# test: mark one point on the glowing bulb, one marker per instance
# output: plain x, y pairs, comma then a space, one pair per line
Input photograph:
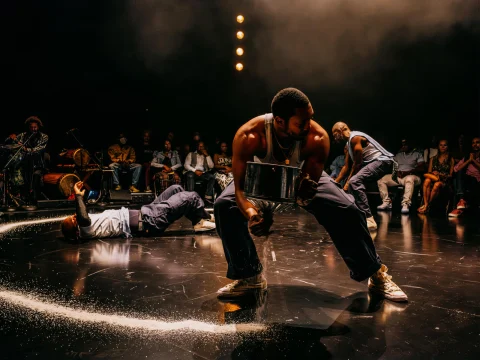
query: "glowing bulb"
239, 66
240, 19
239, 51
240, 35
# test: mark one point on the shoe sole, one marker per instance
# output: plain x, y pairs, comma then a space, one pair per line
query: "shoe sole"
203, 230
386, 296
236, 295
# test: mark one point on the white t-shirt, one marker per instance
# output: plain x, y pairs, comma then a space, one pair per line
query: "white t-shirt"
408, 161
433, 152
109, 223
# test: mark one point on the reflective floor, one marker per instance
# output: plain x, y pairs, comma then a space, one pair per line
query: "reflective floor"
155, 298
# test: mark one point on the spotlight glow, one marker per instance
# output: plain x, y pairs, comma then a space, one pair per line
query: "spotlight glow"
239, 66
239, 51
240, 19
240, 35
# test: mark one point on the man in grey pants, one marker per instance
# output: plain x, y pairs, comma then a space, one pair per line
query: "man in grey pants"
370, 163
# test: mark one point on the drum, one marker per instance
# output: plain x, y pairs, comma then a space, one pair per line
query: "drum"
59, 184
275, 183
79, 157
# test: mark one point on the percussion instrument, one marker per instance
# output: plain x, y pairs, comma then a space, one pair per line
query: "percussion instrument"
59, 184
271, 182
79, 157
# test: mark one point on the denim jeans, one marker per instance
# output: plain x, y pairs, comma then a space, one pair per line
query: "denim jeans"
170, 206
136, 170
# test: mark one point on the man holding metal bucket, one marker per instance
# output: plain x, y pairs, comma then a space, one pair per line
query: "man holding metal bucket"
284, 139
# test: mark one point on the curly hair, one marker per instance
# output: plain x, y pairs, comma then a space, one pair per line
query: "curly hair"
35, 119
286, 101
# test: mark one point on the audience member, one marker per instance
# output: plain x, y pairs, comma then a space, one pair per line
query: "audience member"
198, 166
123, 157
470, 167
169, 163
410, 167
440, 170
223, 166
336, 166
144, 154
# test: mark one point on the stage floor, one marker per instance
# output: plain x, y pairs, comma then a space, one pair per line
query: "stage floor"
155, 298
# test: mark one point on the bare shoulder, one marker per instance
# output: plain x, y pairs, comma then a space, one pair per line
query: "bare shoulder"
317, 138
251, 134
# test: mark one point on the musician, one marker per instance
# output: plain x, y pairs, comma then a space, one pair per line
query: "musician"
151, 219
123, 156
168, 163
290, 137
32, 158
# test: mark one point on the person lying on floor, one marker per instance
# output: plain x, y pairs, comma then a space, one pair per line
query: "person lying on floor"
151, 219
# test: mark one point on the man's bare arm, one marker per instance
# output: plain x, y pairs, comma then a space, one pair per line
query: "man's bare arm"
356, 144
318, 147
245, 144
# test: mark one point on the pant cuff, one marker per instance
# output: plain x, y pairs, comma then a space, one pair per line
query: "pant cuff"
365, 274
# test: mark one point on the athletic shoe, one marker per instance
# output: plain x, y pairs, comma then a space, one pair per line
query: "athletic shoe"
381, 283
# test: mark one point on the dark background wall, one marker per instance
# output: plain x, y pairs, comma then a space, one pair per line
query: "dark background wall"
107, 66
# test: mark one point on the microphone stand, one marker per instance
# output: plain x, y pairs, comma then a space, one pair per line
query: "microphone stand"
4, 170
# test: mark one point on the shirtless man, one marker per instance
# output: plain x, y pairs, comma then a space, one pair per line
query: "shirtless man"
289, 136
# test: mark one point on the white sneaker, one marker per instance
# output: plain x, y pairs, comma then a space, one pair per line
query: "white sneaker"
204, 225
371, 224
405, 209
382, 284
243, 287
386, 205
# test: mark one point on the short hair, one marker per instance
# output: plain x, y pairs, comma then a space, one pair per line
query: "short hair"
286, 101
34, 119
68, 230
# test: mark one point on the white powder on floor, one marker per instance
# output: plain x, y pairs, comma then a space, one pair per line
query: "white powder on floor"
51, 309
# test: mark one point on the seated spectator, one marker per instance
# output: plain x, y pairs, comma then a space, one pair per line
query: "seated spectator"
168, 163
144, 155
123, 157
431, 150
458, 154
410, 167
470, 167
198, 166
336, 167
223, 166
440, 170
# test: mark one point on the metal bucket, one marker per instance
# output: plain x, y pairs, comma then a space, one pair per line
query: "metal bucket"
271, 182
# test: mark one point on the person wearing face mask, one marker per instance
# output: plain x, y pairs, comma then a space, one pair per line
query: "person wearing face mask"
123, 157
30, 166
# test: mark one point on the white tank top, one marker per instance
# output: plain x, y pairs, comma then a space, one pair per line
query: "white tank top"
293, 159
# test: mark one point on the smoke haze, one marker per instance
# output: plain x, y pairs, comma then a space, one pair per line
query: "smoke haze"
329, 41
302, 41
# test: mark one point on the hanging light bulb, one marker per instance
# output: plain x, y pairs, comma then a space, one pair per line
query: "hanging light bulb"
239, 66
239, 51
240, 19
240, 35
